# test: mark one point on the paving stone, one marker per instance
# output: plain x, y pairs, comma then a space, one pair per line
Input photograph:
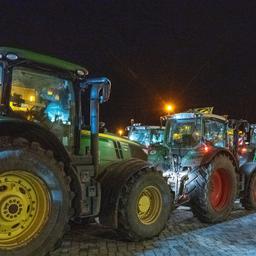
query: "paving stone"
184, 235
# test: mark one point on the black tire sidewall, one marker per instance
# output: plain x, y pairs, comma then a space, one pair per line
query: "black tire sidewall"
251, 204
46, 169
199, 187
252, 201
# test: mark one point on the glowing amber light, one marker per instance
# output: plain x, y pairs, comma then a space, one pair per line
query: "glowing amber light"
120, 132
31, 98
169, 108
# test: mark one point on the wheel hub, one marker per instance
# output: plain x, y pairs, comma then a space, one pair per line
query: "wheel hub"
149, 205
11, 208
220, 191
144, 204
24, 208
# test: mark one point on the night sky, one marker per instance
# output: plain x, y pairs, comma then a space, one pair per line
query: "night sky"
192, 53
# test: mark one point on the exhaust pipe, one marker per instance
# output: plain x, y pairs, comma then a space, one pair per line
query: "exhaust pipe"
99, 92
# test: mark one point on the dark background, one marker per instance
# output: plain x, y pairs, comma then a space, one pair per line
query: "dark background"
192, 53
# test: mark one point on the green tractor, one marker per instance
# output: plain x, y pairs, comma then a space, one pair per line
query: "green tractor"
209, 161
54, 170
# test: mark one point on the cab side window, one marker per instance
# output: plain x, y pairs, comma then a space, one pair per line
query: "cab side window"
45, 99
215, 132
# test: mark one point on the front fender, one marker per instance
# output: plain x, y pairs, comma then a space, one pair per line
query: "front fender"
31, 131
200, 156
208, 157
112, 181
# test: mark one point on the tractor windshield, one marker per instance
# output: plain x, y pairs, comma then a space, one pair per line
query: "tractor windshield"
43, 98
184, 133
141, 136
157, 136
146, 137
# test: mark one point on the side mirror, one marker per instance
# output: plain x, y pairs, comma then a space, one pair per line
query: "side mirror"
103, 85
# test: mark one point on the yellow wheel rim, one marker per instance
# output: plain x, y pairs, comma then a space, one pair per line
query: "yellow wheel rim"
24, 208
149, 205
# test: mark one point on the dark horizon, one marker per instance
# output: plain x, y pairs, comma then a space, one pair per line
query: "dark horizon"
192, 53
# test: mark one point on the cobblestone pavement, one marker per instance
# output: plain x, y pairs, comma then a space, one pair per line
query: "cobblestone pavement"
184, 235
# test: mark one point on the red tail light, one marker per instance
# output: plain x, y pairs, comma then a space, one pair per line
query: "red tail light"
243, 150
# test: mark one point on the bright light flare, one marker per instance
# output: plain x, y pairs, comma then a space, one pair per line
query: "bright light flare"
206, 149
243, 150
32, 98
169, 108
120, 132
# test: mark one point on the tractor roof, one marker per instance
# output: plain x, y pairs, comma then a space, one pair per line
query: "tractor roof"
188, 115
215, 116
42, 59
144, 127
192, 113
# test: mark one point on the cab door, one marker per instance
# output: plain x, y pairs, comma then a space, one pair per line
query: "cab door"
215, 132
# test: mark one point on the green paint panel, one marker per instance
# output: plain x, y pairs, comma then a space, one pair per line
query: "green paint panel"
106, 147
43, 59
112, 148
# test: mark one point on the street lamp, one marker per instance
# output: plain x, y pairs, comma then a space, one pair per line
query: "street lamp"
169, 108
120, 132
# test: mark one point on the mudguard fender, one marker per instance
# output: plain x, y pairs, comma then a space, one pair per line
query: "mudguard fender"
215, 151
200, 157
112, 181
31, 131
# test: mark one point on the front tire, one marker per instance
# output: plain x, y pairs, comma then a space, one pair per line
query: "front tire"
34, 199
212, 190
144, 206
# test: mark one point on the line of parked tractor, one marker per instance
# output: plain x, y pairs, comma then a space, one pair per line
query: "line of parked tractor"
57, 165
208, 160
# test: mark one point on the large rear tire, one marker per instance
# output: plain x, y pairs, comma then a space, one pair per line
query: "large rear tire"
212, 190
34, 199
249, 201
144, 206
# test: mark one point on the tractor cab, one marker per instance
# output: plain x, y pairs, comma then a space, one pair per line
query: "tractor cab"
192, 130
42, 91
146, 135
243, 135
189, 136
